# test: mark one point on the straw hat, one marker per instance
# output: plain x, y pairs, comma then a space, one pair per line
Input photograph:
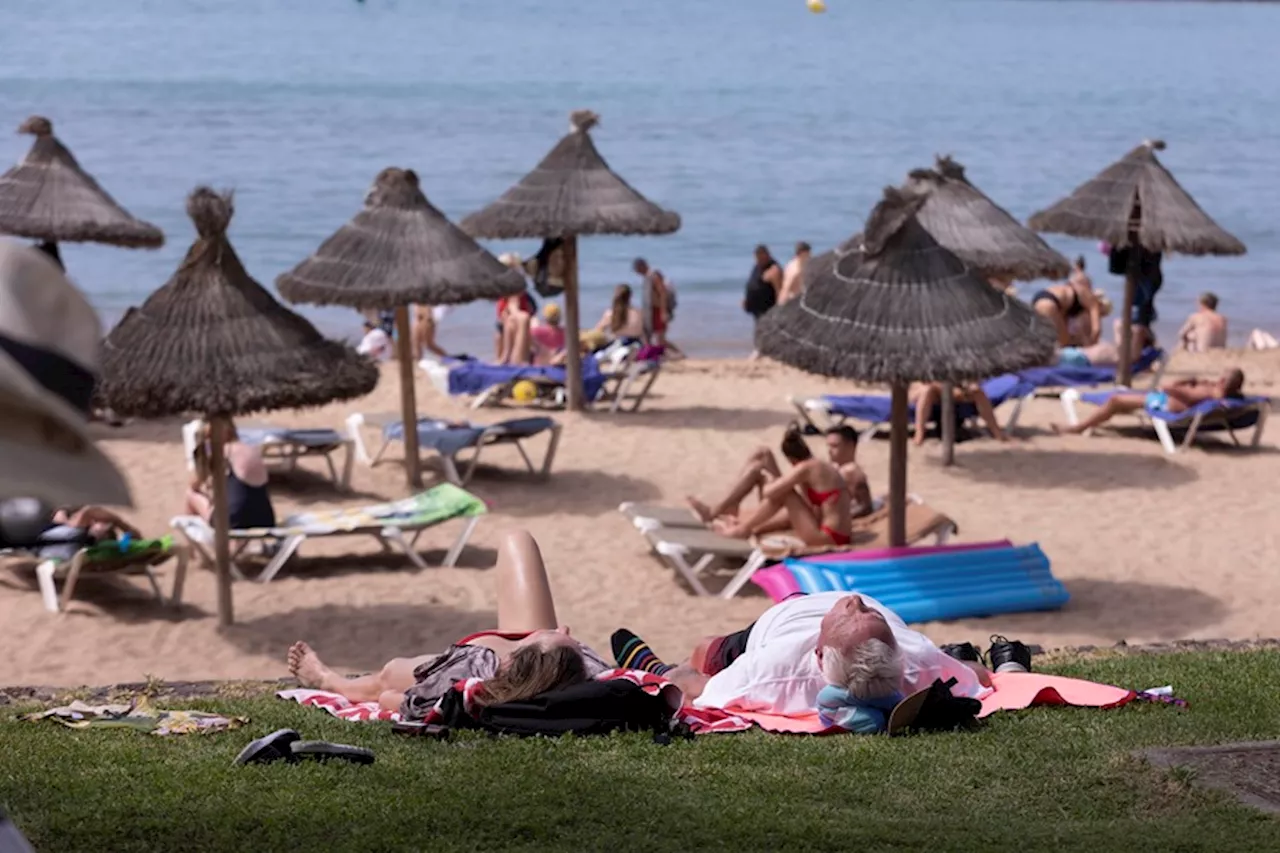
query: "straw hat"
49, 341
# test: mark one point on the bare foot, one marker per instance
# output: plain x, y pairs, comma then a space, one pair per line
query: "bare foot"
1064, 430
918, 440
307, 667
726, 527
699, 508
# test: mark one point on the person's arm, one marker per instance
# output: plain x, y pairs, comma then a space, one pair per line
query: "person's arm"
859, 488
788, 481
984, 674
1095, 319
1184, 334
774, 276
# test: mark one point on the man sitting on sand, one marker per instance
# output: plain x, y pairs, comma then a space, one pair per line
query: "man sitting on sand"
1205, 329
780, 664
815, 499
1174, 397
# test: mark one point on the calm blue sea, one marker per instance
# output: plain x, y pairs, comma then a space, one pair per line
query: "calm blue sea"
756, 120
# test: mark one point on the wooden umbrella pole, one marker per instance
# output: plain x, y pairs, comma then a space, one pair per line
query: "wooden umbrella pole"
898, 418
408, 403
947, 416
572, 345
221, 516
1124, 371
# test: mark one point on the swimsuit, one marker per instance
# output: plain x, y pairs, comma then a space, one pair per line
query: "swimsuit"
248, 506
1075, 309
1157, 401
818, 499
836, 537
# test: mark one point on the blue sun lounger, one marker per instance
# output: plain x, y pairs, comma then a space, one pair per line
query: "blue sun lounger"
490, 383
1210, 416
449, 439
874, 409
1152, 362
284, 444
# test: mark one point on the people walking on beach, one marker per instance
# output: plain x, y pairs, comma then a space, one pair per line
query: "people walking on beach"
424, 332
1205, 329
763, 286
793, 273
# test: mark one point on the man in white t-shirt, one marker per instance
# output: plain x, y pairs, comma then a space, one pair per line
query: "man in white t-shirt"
797, 647
376, 343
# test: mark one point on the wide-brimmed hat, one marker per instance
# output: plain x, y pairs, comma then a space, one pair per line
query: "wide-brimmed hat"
934, 708
49, 343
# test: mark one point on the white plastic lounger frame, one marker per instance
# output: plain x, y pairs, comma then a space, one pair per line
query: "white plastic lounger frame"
49, 572
492, 435
283, 543
1164, 429
691, 562
283, 449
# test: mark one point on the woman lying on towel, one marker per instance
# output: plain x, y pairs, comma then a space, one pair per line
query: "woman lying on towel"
1174, 397
925, 395
813, 499
528, 654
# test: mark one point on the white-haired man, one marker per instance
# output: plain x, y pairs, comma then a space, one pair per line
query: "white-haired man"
797, 647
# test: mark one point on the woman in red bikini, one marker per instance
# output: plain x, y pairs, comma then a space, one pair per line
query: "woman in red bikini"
813, 494
529, 653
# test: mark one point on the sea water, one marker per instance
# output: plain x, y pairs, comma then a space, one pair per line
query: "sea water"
756, 120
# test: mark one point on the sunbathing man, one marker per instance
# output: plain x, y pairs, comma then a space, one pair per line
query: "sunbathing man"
1105, 353
925, 395
527, 655
797, 648
1174, 397
813, 499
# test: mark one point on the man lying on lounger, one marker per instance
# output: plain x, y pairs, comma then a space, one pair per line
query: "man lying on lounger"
817, 486
28, 523
1174, 397
803, 652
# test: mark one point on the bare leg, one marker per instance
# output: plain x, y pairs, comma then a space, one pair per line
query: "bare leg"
925, 401
497, 346
524, 593
988, 412
521, 350
198, 503
1118, 404
385, 686
750, 479
800, 518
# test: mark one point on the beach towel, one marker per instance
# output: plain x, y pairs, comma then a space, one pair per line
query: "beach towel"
439, 503
140, 716
448, 438
474, 377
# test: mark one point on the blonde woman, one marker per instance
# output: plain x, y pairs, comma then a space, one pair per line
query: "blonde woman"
248, 502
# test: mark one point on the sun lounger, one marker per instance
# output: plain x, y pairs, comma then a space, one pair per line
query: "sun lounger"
285, 444
831, 410
449, 441
648, 516
692, 551
139, 557
490, 384
388, 523
1151, 364
1210, 416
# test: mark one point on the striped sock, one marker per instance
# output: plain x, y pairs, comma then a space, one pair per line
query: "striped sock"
631, 652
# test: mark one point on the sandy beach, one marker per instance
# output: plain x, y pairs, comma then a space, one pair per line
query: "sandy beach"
1150, 547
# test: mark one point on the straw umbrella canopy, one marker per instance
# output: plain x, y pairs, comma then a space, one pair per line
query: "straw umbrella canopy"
1135, 202
214, 341
895, 308
572, 192
399, 251
983, 234
49, 197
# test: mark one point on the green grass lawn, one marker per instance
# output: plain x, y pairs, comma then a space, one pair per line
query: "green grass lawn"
1047, 779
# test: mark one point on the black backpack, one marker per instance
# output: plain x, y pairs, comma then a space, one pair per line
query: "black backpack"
590, 708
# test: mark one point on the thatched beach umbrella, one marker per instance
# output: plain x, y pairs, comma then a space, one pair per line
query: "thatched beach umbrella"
900, 308
1136, 203
213, 341
983, 235
49, 197
571, 193
397, 252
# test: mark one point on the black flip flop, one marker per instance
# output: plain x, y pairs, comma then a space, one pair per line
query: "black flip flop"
320, 750
269, 748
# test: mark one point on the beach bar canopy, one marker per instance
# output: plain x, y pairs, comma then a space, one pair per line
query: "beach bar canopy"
571, 193
213, 341
896, 307
49, 197
399, 251
1136, 203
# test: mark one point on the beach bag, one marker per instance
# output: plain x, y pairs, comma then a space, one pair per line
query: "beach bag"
589, 708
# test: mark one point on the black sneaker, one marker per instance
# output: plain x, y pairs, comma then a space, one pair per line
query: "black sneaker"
963, 651
1007, 655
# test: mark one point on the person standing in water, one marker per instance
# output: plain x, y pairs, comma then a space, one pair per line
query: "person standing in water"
793, 273
763, 286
